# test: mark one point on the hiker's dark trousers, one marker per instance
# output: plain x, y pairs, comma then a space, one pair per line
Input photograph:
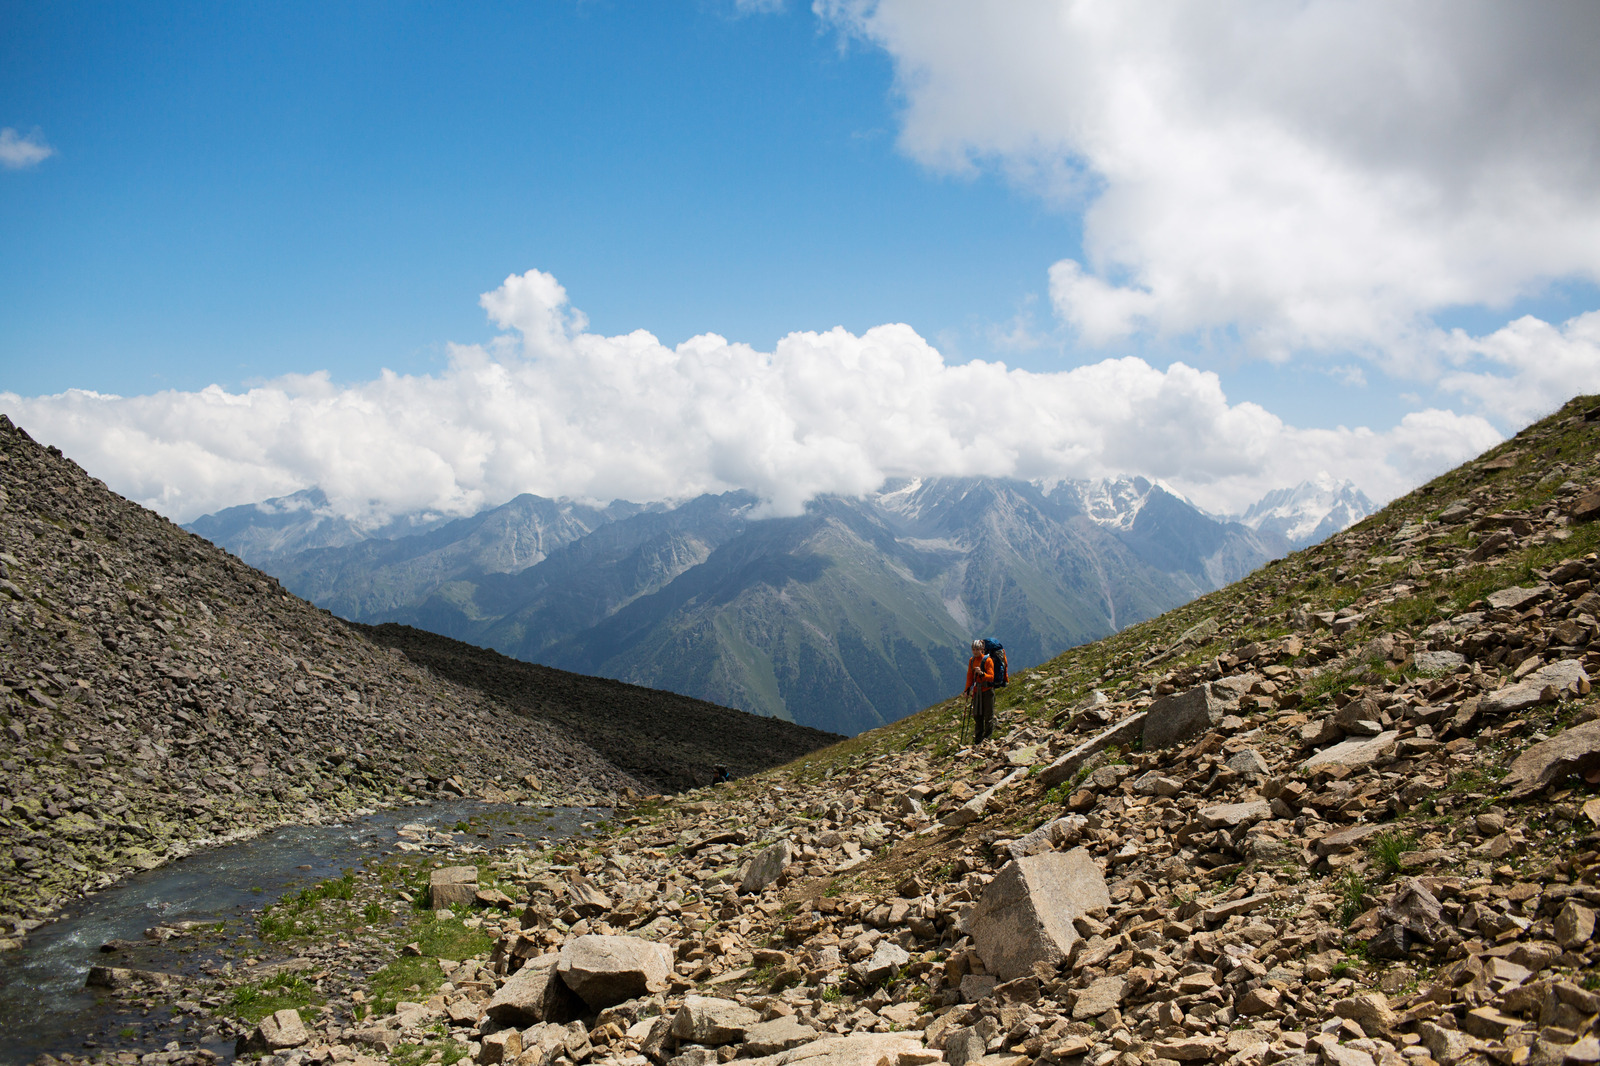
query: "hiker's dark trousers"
983, 713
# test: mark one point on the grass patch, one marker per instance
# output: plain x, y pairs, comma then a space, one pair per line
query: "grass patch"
251, 1003
449, 938
444, 1050
1352, 887
414, 977
1386, 848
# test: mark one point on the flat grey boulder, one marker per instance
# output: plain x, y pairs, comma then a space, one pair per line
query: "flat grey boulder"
1174, 719
886, 958
1355, 752
1233, 815
780, 1034
278, 1031
857, 1049
1437, 662
1026, 913
1575, 750
452, 885
708, 1020
1124, 732
1545, 685
1518, 599
1249, 761
605, 970
534, 994
767, 866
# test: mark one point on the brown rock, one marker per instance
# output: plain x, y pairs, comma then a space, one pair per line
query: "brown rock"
1025, 915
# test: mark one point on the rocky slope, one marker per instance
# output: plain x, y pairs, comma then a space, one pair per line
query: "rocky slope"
158, 693
672, 741
1339, 814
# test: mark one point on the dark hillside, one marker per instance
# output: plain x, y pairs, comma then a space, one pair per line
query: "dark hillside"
655, 735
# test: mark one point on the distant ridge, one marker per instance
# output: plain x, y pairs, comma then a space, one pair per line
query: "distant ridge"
657, 736
845, 617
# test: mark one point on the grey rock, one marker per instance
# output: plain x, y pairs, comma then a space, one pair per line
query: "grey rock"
767, 866
1517, 599
1544, 685
780, 1034
1354, 753
708, 1020
278, 1031
1437, 662
1248, 761
1177, 718
604, 970
886, 958
1233, 815
1574, 750
534, 994
1063, 768
963, 1045
452, 885
1026, 913
1103, 994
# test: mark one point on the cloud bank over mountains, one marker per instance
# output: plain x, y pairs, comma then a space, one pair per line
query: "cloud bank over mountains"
1309, 177
550, 408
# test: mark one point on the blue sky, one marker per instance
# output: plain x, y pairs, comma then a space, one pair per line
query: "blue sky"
252, 191
1101, 196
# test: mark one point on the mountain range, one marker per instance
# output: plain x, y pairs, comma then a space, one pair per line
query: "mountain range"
852, 614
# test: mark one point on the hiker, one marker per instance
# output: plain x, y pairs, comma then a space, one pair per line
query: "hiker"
720, 775
980, 690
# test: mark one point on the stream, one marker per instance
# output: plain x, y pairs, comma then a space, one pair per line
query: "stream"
45, 1007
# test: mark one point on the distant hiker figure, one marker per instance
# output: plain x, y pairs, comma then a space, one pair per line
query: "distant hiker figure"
980, 690
719, 774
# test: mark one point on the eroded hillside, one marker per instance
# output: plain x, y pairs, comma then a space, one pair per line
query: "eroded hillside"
159, 693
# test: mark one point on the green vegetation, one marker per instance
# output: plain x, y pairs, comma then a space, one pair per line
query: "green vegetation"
250, 1003
444, 1051
1386, 848
414, 977
1352, 887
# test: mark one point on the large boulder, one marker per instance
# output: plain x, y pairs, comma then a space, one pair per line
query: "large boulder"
452, 885
1355, 752
605, 970
278, 1031
708, 1020
856, 1049
1124, 732
767, 866
1026, 913
1544, 685
534, 994
1174, 719
1575, 750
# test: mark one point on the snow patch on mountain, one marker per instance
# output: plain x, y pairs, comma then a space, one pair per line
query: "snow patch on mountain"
1310, 512
1112, 502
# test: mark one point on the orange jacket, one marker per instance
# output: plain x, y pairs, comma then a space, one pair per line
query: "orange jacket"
980, 670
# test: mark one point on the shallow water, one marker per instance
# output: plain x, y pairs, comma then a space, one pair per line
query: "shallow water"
44, 1006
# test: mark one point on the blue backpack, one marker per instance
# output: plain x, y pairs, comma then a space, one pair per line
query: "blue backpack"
997, 651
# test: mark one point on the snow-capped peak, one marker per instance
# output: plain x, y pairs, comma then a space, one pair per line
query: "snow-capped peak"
1311, 511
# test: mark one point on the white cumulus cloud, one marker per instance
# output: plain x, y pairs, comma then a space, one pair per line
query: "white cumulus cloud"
18, 152
1321, 176
550, 408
